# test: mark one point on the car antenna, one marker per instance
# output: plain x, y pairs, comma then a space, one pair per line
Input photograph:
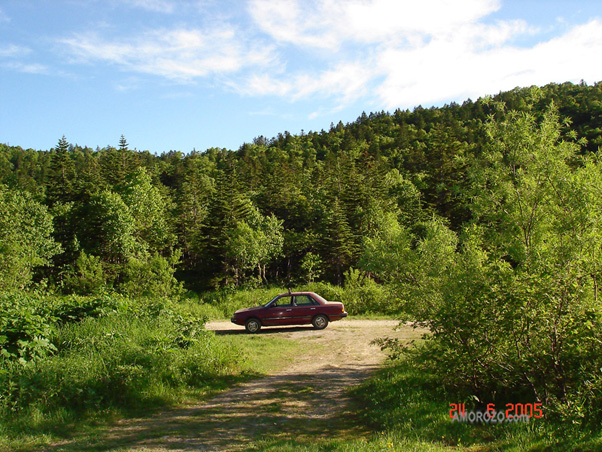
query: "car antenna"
289, 291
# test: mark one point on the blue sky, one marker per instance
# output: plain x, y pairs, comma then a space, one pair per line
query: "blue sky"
194, 74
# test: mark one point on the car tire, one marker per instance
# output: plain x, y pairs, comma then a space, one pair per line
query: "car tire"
253, 325
320, 322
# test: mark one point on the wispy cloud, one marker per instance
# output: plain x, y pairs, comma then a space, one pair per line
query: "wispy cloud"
456, 68
13, 51
27, 68
181, 54
391, 53
405, 53
159, 6
330, 23
12, 57
346, 81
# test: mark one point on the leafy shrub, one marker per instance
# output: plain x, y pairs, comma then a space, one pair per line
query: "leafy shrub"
363, 295
25, 238
74, 308
25, 327
153, 277
87, 277
124, 358
228, 301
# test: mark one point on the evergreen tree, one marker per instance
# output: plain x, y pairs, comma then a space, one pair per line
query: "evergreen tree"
62, 177
338, 242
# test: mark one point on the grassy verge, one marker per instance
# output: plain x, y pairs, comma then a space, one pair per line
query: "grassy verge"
409, 411
129, 361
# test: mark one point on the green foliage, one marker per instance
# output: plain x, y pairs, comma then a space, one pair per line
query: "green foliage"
152, 277
225, 302
362, 295
25, 328
253, 244
64, 357
109, 231
62, 175
311, 265
25, 238
513, 310
337, 243
149, 210
87, 277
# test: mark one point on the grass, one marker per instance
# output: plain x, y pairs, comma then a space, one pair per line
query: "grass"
125, 364
409, 411
262, 354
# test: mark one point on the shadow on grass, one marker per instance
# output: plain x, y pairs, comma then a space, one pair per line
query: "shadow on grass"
86, 428
409, 410
288, 406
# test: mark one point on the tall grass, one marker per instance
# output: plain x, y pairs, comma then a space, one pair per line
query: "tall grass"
145, 354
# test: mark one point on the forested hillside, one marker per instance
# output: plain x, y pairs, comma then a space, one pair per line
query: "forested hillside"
289, 209
480, 221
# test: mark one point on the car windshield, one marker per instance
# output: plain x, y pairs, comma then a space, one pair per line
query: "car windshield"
268, 303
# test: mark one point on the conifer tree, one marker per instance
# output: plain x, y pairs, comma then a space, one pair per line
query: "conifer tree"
62, 176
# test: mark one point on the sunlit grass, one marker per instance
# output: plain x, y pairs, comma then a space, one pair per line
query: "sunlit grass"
409, 411
124, 365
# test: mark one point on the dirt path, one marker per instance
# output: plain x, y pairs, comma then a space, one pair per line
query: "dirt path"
307, 398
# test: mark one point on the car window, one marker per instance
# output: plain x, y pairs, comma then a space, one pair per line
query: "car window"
319, 298
284, 301
304, 300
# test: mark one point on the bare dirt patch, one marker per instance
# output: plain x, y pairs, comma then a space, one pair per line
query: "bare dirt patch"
308, 398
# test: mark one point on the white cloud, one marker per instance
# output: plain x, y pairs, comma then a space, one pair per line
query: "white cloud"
454, 69
394, 53
346, 82
159, 6
405, 53
13, 51
179, 54
13, 55
27, 68
330, 23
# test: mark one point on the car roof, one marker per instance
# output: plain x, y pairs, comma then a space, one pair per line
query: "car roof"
296, 293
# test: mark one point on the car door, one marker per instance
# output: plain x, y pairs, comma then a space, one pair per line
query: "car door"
305, 309
279, 312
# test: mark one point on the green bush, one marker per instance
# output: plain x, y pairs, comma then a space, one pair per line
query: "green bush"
153, 277
226, 302
362, 295
88, 275
25, 327
124, 359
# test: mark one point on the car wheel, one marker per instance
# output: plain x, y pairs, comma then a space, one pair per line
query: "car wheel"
320, 322
253, 325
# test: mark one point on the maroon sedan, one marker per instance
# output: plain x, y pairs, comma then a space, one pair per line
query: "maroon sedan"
292, 308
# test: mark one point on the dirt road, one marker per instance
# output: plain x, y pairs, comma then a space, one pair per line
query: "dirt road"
308, 398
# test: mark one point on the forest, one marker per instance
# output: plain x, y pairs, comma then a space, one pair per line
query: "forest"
481, 221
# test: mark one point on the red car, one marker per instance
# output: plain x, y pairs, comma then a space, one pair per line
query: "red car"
292, 308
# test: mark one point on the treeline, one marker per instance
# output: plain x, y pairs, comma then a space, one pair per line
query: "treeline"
480, 221
294, 208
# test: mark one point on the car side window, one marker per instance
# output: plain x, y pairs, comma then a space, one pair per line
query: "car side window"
304, 300
284, 302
